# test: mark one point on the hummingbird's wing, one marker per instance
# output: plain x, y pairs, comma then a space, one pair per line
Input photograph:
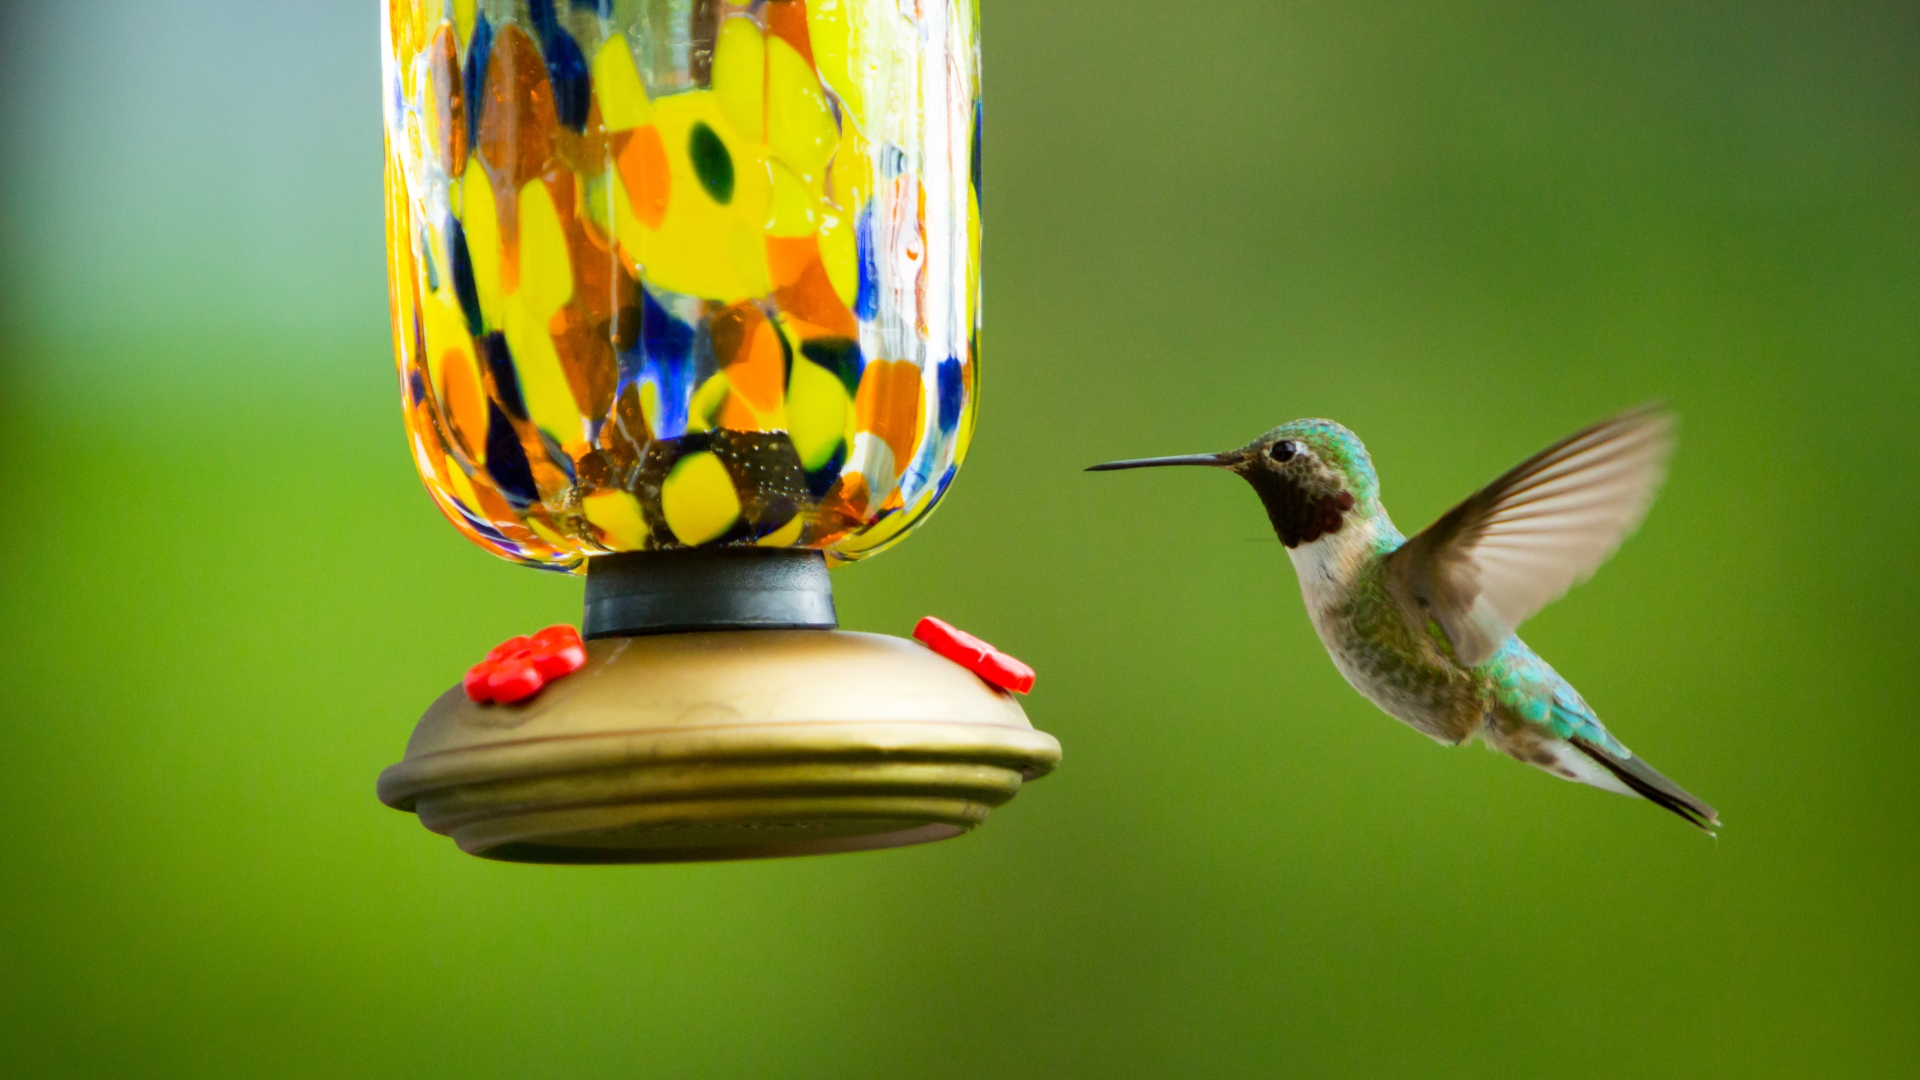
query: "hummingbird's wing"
1517, 544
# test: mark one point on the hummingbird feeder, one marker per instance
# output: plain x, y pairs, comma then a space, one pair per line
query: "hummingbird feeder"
686, 299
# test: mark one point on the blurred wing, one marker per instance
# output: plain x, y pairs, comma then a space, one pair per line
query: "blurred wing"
1522, 541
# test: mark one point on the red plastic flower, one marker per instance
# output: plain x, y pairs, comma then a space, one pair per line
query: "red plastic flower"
518, 667
975, 655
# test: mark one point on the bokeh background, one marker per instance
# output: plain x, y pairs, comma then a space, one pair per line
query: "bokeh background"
1462, 229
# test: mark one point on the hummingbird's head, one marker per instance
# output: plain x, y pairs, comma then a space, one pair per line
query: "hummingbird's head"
1311, 475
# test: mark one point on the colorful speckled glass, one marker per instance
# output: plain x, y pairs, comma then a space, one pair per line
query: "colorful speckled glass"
684, 273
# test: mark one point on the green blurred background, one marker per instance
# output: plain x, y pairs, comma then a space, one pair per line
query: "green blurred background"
1462, 229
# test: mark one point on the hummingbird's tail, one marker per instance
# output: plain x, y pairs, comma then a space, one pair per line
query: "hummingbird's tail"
1647, 782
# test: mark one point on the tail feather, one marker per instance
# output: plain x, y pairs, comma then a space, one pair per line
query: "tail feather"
1649, 784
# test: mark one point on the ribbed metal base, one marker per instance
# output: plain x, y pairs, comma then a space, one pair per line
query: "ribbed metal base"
725, 745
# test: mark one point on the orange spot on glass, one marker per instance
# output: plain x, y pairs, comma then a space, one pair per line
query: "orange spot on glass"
642, 160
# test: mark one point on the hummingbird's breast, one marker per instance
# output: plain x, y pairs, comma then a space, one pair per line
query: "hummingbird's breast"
1384, 652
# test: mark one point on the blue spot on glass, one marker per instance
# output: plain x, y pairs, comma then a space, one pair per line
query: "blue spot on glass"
417, 386
567, 70
663, 358
663, 336
866, 301
919, 472
953, 391
482, 525
461, 266
821, 480
506, 383
602, 8
507, 461
541, 14
479, 48
841, 356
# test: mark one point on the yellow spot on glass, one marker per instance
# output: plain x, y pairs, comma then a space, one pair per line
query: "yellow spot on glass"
785, 535
817, 409
707, 401
698, 499
445, 327
835, 40
616, 83
739, 76
463, 20
800, 125
617, 514
546, 272
462, 487
796, 206
543, 383
547, 532
840, 254
480, 221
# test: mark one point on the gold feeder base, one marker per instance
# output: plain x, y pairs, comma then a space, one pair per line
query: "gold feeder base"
736, 744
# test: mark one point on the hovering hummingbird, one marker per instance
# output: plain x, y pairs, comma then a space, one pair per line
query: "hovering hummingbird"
1424, 628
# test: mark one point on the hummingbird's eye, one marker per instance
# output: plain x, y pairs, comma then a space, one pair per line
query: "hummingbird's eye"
1284, 450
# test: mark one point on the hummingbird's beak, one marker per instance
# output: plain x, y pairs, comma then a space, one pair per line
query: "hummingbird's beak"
1218, 461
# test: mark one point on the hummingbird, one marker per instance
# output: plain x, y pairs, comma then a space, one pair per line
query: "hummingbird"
1424, 628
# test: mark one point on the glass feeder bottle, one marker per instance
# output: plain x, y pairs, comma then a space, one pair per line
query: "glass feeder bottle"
685, 298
